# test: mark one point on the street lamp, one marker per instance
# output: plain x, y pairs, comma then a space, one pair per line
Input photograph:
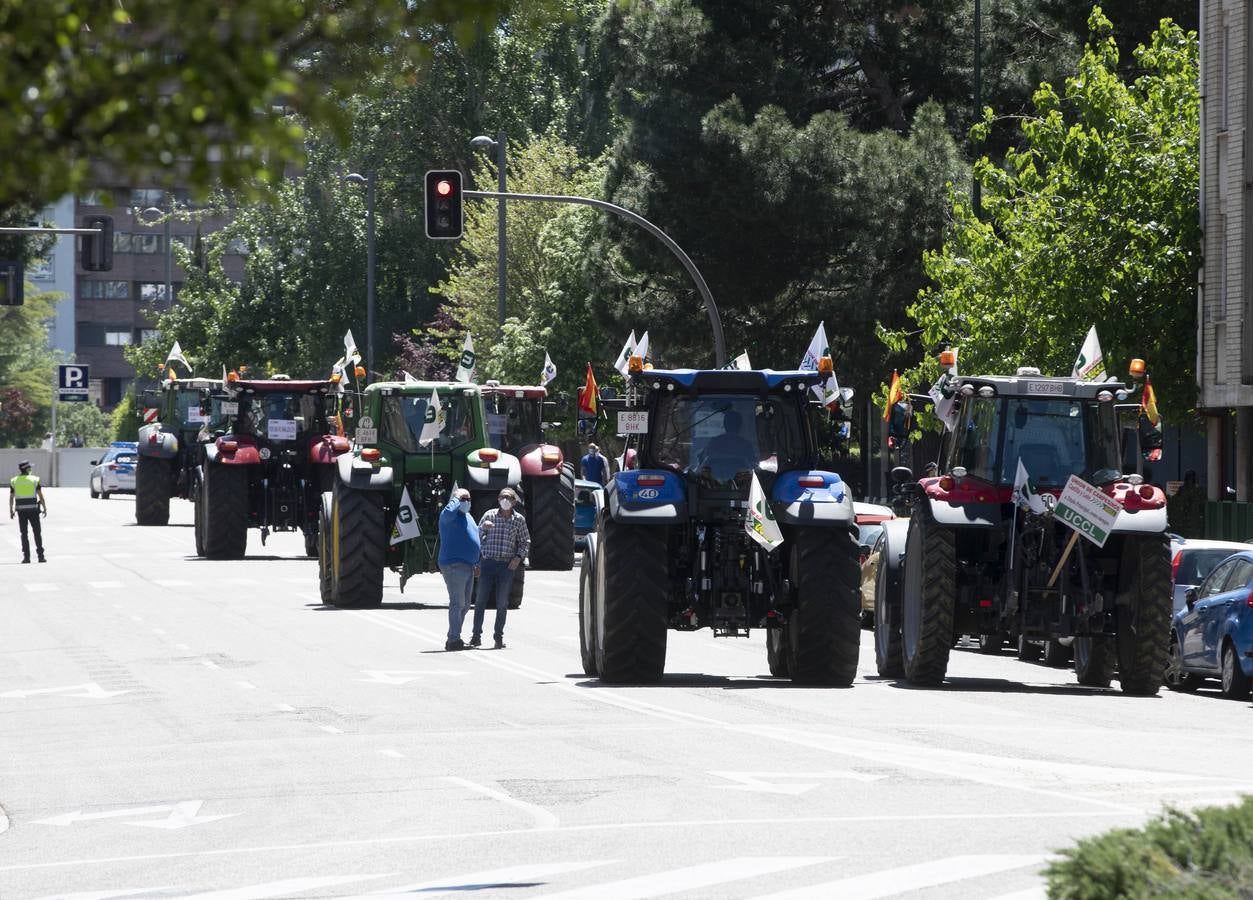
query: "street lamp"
169, 250
368, 181
483, 142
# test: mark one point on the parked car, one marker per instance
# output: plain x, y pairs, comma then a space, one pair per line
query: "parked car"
870, 518
1193, 560
869, 570
584, 510
114, 473
1212, 635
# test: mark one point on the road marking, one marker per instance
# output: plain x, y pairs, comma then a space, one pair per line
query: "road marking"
394, 754
104, 585
892, 882
331, 729
692, 878
1035, 893
284, 707
402, 676
42, 587
181, 816
766, 782
91, 690
209, 664
510, 877
543, 818
68, 819
158, 631
289, 888
247, 685
110, 895
171, 582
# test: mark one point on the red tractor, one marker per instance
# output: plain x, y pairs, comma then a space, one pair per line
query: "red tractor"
515, 425
273, 453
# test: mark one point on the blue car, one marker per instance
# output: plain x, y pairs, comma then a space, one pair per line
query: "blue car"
584, 510
1212, 634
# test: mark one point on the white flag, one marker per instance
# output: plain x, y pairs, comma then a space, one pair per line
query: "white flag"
760, 523
176, 355
465, 367
641, 349
818, 348
351, 353
406, 527
627, 349
433, 421
741, 362
1090, 366
1023, 496
944, 402
409, 379
549, 372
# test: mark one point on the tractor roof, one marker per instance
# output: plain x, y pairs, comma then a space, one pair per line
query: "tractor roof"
195, 384
514, 390
281, 386
421, 387
1041, 387
733, 380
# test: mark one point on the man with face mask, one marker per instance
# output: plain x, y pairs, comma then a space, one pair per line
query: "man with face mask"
459, 551
505, 544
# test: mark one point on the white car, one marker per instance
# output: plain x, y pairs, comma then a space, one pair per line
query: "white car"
114, 473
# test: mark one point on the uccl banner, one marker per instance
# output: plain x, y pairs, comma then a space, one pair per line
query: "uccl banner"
1087, 510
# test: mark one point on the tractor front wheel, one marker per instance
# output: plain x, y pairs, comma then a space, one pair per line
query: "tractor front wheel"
224, 515
1144, 622
929, 595
357, 547
152, 491
632, 593
824, 629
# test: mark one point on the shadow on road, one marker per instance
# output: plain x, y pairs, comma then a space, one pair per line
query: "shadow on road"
269, 558
383, 607
698, 679
997, 686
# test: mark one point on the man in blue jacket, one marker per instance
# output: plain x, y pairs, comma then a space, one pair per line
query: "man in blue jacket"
459, 550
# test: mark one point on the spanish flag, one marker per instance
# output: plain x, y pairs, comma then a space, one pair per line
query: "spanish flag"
1148, 403
589, 397
895, 395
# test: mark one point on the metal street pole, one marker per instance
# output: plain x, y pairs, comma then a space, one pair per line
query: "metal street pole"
369, 276
169, 255
976, 189
501, 241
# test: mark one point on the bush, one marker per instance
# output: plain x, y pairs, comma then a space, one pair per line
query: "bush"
85, 420
1206, 855
126, 419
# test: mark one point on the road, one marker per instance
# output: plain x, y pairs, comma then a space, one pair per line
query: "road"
175, 727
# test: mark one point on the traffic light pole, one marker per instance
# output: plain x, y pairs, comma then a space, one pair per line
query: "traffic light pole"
715, 320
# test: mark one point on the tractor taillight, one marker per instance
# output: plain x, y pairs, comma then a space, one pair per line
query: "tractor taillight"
1146, 491
230, 446
812, 481
551, 456
985, 604
152, 438
651, 480
1174, 567
947, 483
371, 454
489, 454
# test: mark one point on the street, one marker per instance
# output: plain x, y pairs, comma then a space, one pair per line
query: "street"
174, 727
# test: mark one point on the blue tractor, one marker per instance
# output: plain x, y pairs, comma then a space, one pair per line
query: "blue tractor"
670, 549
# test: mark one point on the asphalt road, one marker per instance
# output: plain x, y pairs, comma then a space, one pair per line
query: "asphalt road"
172, 727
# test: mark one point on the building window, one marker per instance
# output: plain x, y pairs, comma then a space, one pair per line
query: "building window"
150, 291
138, 242
1220, 353
1224, 77
91, 198
89, 289
117, 338
148, 334
145, 197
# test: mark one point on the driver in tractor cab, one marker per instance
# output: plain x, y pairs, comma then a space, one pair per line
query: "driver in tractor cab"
730, 453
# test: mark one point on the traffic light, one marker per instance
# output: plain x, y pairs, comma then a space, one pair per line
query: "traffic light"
11, 284
98, 248
445, 214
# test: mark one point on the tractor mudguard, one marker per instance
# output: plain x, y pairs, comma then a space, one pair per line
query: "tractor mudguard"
1144, 521
165, 445
828, 504
534, 465
661, 498
326, 448
505, 472
965, 515
892, 556
362, 476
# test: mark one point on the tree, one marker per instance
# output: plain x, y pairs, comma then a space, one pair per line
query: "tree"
84, 420
26, 366
1093, 221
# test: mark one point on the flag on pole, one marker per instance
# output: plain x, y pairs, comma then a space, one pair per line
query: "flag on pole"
760, 522
625, 355
409, 379
641, 349
741, 362
465, 367
351, 353
1148, 403
549, 371
406, 527
432, 421
944, 402
589, 397
176, 355
1023, 496
1090, 366
829, 392
895, 395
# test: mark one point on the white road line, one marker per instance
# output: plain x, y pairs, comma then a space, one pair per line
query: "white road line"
394, 754
284, 707
1035, 893
692, 878
111, 894
288, 888
104, 585
247, 685
331, 729
543, 818
44, 587
892, 882
209, 664
511, 877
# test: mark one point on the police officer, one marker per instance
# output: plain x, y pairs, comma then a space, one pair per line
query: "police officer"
26, 501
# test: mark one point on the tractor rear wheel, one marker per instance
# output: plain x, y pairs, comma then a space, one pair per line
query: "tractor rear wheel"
358, 547
632, 593
887, 612
1028, 651
224, 517
324, 558
587, 621
1094, 660
550, 504
991, 644
928, 598
777, 651
198, 515
152, 491
1056, 655
824, 628
1144, 622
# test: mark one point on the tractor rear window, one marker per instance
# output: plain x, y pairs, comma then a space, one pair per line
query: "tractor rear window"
404, 417
513, 422
280, 417
722, 437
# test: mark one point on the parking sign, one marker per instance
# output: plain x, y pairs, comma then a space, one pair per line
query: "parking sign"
72, 383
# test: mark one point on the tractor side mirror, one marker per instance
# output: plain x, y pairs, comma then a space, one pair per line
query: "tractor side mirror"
902, 474
1189, 597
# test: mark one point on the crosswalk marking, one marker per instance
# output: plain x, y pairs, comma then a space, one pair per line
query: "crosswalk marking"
692, 878
891, 882
42, 587
104, 585
510, 877
291, 887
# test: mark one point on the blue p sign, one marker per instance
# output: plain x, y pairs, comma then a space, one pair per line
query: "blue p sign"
72, 378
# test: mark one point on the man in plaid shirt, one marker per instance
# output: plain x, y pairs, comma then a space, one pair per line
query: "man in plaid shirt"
505, 542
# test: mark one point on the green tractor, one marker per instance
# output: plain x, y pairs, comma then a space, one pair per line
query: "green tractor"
172, 433
365, 513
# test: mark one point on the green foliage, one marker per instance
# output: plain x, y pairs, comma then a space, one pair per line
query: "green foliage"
26, 367
1093, 220
85, 420
1206, 855
125, 419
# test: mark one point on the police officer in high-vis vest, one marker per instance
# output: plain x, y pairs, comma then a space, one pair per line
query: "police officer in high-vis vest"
26, 501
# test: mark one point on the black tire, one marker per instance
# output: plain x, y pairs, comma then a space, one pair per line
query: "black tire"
516, 586
991, 644
1094, 661
824, 628
311, 539
324, 559
1144, 623
777, 641
358, 547
225, 513
1176, 678
631, 601
587, 621
1235, 683
928, 598
104, 495
887, 611
1029, 651
198, 519
550, 516
152, 491
95, 494
1056, 656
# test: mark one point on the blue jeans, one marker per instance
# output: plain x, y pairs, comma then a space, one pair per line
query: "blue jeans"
495, 577
459, 578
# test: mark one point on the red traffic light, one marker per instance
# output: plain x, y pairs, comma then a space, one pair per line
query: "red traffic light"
444, 214
443, 188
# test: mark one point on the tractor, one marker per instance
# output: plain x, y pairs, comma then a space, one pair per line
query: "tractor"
976, 556
672, 549
390, 462
515, 425
174, 417
272, 455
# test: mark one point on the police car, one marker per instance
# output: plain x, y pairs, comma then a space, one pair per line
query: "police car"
114, 473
